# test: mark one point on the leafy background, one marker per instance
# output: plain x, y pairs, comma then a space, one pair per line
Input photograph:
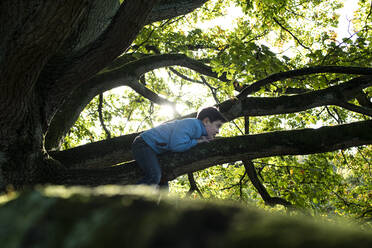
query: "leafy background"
249, 40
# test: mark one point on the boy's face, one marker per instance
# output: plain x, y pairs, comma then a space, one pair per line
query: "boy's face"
213, 128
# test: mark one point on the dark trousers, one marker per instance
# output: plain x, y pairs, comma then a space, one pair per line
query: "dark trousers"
148, 161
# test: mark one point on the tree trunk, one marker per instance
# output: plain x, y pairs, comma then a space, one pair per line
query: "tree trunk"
39, 41
21, 152
26, 45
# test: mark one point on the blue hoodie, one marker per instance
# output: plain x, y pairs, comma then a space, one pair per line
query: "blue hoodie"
176, 136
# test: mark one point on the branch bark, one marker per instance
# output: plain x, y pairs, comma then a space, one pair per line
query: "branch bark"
129, 73
126, 72
251, 106
260, 106
223, 150
252, 174
250, 170
101, 119
193, 186
26, 45
130, 17
301, 72
358, 109
167, 9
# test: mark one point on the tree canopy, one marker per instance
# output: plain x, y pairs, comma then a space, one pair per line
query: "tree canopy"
297, 96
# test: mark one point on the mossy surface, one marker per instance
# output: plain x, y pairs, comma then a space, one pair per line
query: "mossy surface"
127, 217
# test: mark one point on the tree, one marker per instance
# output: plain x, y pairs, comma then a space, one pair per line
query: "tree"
55, 58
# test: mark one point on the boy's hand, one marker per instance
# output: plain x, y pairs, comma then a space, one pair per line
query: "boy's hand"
203, 139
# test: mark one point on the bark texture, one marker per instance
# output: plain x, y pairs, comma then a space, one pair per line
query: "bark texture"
127, 71
26, 46
44, 55
116, 150
93, 218
223, 150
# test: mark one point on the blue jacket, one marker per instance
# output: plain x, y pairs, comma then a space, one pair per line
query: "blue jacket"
176, 136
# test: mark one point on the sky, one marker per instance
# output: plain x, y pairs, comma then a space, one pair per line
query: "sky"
346, 14
227, 22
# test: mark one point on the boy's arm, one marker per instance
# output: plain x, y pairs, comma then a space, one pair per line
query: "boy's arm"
184, 136
203, 139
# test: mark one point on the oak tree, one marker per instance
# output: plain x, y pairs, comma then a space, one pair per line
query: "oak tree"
57, 57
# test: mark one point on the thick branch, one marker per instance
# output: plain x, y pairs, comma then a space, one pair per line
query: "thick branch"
127, 72
123, 29
355, 108
26, 45
98, 154
167, 9
101, 13
92, 156
296, 142
260, 106
364, 100
131, 17
301, 72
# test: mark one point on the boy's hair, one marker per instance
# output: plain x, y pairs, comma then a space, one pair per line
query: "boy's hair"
212, 113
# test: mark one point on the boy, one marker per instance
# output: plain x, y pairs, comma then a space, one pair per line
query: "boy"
175, 136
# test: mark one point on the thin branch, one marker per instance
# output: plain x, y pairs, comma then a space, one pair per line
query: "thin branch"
363, 215
341, 120
100, 103
329, 53
252, 174
345, 160
149, 94
271, 201
181, 75
212, 89
298, 41
365, 159
345, 201
282, 166
332, 115
193, 186
370, 11
240, 184
155, 49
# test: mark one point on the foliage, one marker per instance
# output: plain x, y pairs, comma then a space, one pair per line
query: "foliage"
266, 37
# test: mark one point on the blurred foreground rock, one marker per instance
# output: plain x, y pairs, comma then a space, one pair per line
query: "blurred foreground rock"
125, 217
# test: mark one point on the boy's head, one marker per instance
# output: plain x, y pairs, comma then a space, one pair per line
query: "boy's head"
212, 120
